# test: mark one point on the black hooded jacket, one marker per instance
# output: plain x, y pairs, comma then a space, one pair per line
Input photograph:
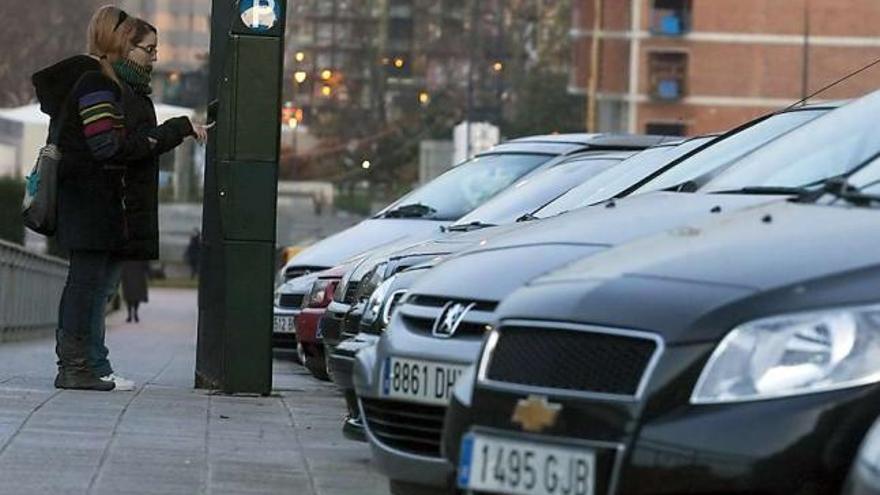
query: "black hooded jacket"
110, 145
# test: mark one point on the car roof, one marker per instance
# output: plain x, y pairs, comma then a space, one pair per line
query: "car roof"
563, 144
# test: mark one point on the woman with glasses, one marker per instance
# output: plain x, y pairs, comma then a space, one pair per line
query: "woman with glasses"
110, 143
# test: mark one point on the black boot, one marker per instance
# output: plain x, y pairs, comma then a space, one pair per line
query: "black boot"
74, 371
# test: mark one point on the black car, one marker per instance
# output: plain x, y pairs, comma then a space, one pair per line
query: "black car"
736, 355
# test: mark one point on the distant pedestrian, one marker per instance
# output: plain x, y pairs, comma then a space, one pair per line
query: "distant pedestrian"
135, 287
193, 252
107, 188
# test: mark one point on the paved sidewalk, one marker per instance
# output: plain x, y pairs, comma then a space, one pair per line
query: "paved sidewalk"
166, 438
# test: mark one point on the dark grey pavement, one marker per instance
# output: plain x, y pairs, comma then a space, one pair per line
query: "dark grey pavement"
166, 437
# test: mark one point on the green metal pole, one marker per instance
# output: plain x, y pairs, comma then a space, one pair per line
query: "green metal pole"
234, 351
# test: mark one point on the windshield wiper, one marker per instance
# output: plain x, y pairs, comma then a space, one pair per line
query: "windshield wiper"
840, 188
413, 210
466, 227
770, 190
527, 218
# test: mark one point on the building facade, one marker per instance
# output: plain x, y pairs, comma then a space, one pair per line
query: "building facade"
689, 67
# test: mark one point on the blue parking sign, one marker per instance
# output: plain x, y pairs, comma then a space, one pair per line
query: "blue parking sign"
259, 15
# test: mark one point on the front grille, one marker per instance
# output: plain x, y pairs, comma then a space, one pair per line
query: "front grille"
350, 292
439, 302
298, 271
412, 428
426, 326
575, 360
291, 300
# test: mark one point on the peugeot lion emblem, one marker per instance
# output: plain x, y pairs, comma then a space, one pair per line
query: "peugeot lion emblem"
449, 319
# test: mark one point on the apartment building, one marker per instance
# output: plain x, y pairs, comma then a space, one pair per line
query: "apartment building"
688, 67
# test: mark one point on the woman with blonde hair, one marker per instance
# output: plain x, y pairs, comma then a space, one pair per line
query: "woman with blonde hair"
107, 183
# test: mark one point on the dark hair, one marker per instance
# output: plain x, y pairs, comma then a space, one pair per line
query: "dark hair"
141, 29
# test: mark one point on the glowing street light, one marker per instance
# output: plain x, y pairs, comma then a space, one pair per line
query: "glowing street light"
300, 76
300, 56
424, 98
497, 66
398, 62
326, 90
366, 164
326, 74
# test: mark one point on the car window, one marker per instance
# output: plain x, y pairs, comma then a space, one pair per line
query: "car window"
470, 184
729, 149
612, 182
829, 146
867, 179
536, 190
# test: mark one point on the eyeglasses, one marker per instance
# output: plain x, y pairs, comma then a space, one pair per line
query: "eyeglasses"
122, 17
150, 49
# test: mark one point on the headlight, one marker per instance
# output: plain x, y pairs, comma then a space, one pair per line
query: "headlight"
319, 292
370, 282
793, 354
373, 309
394, 299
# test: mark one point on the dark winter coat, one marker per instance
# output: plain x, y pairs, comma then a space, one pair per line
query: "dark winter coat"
134, 281
108, 172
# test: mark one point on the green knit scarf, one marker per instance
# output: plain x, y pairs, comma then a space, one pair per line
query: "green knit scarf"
136, 75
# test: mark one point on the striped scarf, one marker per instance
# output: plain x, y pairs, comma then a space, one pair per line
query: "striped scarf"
137, 76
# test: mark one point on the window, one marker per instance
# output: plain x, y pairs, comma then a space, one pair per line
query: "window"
671, 17
667, 72
666, 128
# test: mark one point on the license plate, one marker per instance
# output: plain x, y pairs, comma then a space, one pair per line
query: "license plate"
500, 465
419, 381
284, 324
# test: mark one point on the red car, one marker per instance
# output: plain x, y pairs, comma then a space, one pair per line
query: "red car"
309, 346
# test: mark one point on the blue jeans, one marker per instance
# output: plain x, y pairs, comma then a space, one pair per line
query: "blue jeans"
98, 352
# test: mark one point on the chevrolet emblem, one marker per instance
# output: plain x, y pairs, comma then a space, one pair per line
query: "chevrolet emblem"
535, 413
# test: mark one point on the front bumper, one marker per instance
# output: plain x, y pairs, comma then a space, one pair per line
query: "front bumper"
343, 355
403, 461
797, 445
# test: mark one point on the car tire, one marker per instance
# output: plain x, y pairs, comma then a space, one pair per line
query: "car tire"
315, 363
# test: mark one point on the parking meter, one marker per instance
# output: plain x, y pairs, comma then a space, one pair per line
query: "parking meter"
236, 269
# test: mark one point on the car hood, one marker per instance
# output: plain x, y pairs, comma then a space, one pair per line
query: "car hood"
695, 283
367, 235
538, 247
762, 248
489, 275
618, 221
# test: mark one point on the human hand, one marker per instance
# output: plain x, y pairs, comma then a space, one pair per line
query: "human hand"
201, 131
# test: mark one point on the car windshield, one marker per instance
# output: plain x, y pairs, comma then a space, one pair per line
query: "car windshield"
826, 147
728, 149
534, 191
612, 182
465, 187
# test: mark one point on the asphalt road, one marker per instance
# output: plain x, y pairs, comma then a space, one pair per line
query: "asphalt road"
166, 437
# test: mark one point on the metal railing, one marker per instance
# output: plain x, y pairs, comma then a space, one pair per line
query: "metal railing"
30, 290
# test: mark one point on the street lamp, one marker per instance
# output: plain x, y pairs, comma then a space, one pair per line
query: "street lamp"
366, 164
326, 74
300, 56
424, 98
498, 66
326, 90
398, 62
300, 76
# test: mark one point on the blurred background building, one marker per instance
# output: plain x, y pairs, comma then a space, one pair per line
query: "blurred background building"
690, 67
184, 26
